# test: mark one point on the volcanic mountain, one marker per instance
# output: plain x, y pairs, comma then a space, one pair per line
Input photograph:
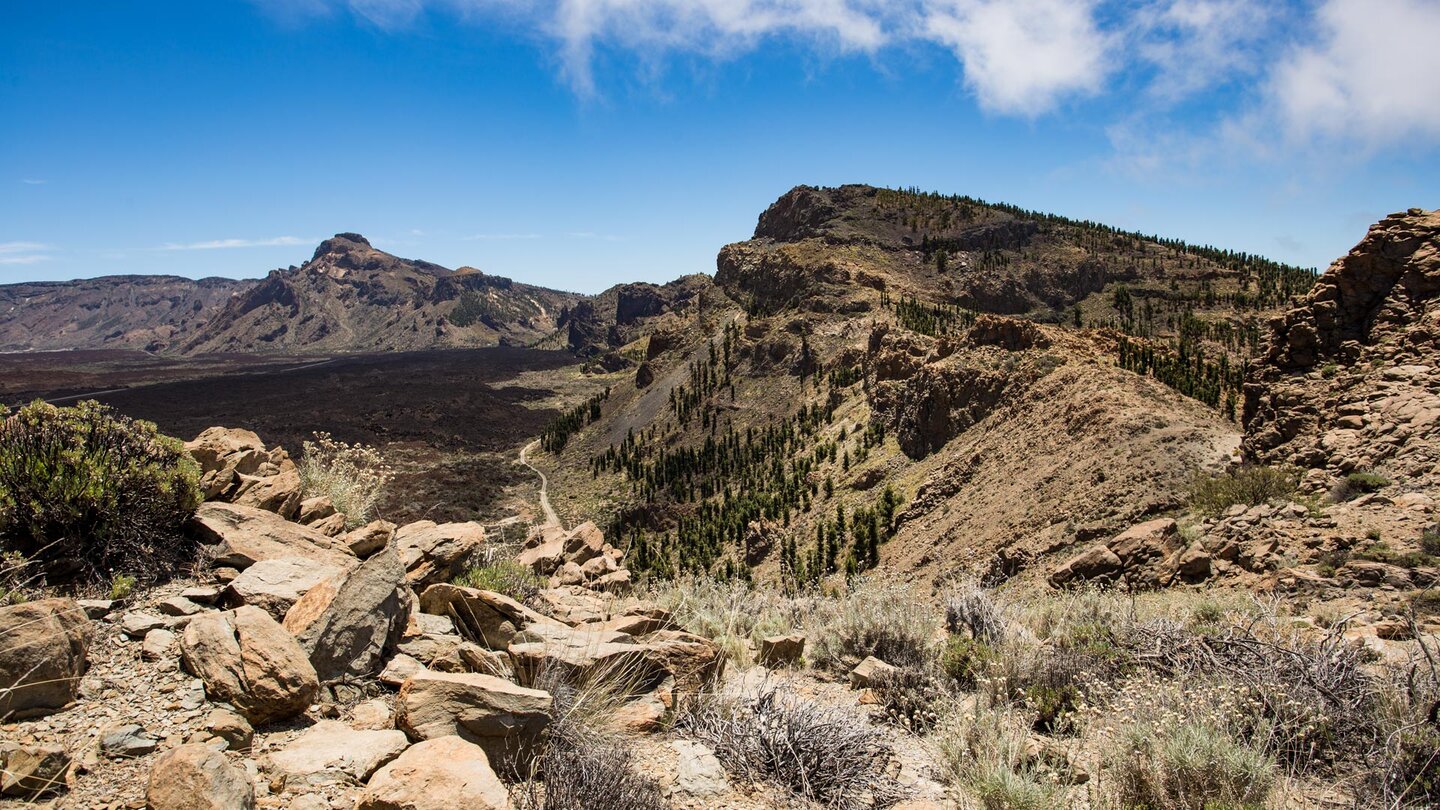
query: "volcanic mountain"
349, 297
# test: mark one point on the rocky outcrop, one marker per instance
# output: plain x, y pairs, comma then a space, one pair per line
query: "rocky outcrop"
43, 646
1349, 381
1148, 554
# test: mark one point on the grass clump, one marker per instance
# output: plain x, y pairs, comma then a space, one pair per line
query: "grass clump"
352, 476
121, 586
732, 613
85, 492
503, 575
1249, 485
584, 764
988, 753
1190, 765
876, 616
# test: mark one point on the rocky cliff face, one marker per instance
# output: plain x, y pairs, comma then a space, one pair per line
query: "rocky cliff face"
1349, 381
117, 312
351, 297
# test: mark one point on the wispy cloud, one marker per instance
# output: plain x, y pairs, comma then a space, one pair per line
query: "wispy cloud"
33, 181
12, 253
229, 244
498, 236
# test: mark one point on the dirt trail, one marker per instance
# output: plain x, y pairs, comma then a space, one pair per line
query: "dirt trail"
551, 519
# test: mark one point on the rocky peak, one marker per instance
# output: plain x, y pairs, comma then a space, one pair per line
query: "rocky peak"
798, 214
1381, 290
1349, 381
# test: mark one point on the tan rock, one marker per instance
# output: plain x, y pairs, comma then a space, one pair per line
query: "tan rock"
279, 493
485, 617
349, 623
437, 552
275, 585
244, 535
43, 646
31, 771
195, 776
246, 659
369, 538
446, 773
331, 751
782, 650
869, 672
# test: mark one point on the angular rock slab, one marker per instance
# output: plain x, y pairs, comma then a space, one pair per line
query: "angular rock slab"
245, 535
504, 719
331, 751
350, 623
485, 617
275, 585
439, 552
246, 659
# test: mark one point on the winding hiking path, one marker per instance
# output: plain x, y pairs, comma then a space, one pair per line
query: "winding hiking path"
551, 519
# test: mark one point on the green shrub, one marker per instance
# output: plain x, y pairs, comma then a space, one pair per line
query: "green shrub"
503, 576
965, 660
121, 586
1430, 542
1366, 482
1383, 553
87, 492
1248, 485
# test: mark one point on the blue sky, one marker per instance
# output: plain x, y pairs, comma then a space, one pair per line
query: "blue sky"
580, 143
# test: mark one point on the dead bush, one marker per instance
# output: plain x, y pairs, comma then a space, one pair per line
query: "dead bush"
827, 754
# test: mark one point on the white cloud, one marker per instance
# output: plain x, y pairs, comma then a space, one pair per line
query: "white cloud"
226, 244
31, 181
1023, 56
1371, 77
12, 253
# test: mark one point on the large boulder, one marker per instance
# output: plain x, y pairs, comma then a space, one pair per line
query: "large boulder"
485, 617
42, 656
581, 655
349, 624
244, 535
1145, 554
446, 773
274, 585
331, 751
195, 776
435, 552
246, 659
504, 719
